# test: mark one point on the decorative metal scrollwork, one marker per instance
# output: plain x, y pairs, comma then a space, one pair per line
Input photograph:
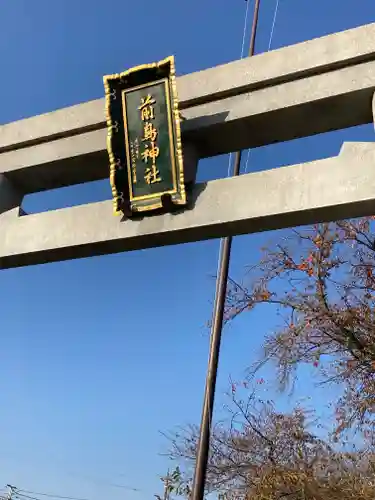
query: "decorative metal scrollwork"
115, 127
119, 165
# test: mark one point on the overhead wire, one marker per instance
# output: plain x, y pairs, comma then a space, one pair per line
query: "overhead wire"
269, 48
241, 57
18, 493
22, 494
244, 29
130, 488
27, 494
77, 474
273, 24
81, 476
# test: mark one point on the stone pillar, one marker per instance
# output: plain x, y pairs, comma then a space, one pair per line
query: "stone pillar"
10, 197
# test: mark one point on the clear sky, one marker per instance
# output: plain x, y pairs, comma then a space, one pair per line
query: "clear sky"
93, 363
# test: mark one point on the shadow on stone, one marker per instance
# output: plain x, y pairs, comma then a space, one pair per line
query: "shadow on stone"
10, 197
193, 192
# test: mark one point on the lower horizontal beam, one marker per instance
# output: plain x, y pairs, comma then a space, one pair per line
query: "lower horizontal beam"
330, 189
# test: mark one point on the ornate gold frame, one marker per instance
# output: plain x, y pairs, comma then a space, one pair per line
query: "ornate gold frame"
177, 128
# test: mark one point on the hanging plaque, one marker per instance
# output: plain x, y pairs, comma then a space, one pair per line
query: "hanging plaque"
144, 139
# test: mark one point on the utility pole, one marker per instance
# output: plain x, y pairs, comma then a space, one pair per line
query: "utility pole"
216, 329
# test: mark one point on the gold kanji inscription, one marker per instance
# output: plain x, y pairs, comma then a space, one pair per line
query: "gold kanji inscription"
150, 152
149, 132
152, 175
147, 108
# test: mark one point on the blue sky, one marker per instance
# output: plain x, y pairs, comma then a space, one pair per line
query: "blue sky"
93, 366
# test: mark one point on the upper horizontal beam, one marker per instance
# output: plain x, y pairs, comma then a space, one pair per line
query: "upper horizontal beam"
324, 190
278, 66
338, 99
312, 87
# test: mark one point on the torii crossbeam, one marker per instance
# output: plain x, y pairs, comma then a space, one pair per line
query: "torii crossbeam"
312, 87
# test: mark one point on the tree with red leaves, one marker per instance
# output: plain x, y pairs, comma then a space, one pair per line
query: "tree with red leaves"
321, 281
258, 453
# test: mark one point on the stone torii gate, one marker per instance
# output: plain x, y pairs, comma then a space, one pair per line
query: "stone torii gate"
312, 87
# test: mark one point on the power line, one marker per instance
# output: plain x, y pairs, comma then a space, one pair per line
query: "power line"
273, 24
269, 48
77, 474
130, 488
244, 30
22, 496
50, 495
241, 57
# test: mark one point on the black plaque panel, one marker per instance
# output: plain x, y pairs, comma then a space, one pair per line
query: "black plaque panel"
144, 139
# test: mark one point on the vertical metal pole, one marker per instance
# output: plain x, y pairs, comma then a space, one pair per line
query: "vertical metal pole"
254, 28
216, 330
